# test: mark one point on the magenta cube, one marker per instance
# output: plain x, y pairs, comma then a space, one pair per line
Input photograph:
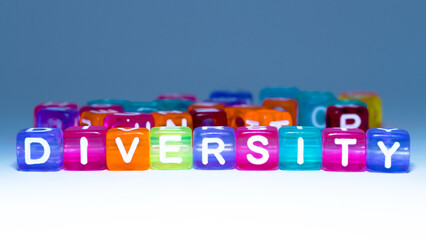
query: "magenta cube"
344, 150
44, 105
85, 148
100, 107
257, 148
132, 120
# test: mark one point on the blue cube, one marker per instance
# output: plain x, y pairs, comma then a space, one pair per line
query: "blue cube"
300, 148
231, 97
278, 92
214, 148
312, 107
39, 149
55, 117
388, 150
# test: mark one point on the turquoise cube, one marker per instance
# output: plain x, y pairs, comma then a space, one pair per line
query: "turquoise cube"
173, 104
143, 107
278, 92
123, 103
312, 107
300, 148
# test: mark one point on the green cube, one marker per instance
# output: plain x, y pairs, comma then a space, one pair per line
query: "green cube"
171, 148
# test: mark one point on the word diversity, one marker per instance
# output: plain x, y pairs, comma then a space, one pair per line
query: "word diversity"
290, 130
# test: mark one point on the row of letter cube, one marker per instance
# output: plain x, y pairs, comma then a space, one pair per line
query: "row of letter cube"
247, 148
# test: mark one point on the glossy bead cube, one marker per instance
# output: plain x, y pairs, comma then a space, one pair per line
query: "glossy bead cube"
171, 148
300, 148
268, 117
344, 150
278, 92
85, 148
101, 107
94, 117
388, 150
57, 104
289, 105
312, 108
144, 107
214, 148
206, 105
172, 119
231, 97
208, 117
177, 96
173, 104
53, 117
127, 149
123, 103
132, 120
347, 116
374, 105
257, 148
39, 149
235, 114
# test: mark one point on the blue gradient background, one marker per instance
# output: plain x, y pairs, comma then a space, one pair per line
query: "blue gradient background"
82, 50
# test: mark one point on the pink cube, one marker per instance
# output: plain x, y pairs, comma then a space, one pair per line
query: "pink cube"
101, 107
44, 105
344, 150
257, 148
132, 120
85, 148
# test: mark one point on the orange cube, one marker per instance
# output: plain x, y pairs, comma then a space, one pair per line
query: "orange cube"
127, 149
172, 119
235, 114
268, 117
94, 117
289, 105
206, 105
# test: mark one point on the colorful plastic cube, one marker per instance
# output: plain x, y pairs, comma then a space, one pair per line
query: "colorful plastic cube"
231, 97
374, 105
85, 148
171, 148
101, 107
289, 105
94, 117
235, 114
132, 120
177, 96
39, 149
214, 148
173, 104
268, 117
257, 148
344, 150
278, 92
347, 116
123, 103
208, 117
172, 119
312, 107
388, 150
127, 149
300, 148
144, 107
206, 105
53, 117
54, 105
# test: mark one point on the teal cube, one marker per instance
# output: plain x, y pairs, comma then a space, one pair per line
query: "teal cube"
300, 148
312, 107
173, 104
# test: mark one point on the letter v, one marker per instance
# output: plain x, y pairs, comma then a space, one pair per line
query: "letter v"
127, 157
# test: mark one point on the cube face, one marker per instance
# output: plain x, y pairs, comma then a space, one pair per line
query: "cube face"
208, 117
235, 114
39, 149
131, 120
257, 148
374, 105
172, 119
171, 148
231, 97
344, 150
99, 107
347, 116
206, 105
300, 148
85, 148
268, 117
312, 108
173, 104
278, 92
388, 150
94, 117
61, 118
127, 149
289, 105
143, 107
214, 148
177, 96
54, 105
